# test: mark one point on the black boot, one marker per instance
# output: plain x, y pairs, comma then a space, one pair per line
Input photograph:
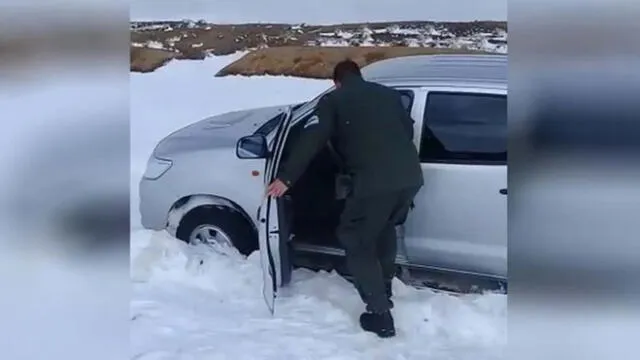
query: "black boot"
380, 324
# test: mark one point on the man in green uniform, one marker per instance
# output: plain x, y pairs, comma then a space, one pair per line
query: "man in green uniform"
373, 133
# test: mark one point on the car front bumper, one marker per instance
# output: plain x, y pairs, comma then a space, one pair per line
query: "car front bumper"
155, 203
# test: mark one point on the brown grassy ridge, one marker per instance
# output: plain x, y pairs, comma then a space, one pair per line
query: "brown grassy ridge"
146, 60
318, 62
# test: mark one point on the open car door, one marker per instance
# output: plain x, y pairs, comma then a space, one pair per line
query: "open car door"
273, 234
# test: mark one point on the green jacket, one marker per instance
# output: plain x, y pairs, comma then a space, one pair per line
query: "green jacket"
370, 130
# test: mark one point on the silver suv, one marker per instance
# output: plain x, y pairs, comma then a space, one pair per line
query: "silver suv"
205, 183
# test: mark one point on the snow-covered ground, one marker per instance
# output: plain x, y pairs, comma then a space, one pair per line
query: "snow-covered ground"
318, 12
193, 303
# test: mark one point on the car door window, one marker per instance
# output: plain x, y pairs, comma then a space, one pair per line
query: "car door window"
270, 125
464, 128
266, 128
407, 99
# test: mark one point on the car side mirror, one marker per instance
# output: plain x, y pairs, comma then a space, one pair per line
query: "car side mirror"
252, 147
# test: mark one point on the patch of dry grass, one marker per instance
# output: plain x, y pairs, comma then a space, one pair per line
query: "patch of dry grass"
318, 62
147, 60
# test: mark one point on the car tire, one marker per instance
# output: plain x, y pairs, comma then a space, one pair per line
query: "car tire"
235, 226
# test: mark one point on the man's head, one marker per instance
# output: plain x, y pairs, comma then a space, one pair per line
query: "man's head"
345, 69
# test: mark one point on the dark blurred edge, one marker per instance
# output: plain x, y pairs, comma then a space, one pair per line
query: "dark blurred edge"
65, 199
87, 43
574, 179
574, 121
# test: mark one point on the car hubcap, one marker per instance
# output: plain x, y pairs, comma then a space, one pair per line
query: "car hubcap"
210, 235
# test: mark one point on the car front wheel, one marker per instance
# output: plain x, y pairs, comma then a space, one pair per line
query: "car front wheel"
218, 226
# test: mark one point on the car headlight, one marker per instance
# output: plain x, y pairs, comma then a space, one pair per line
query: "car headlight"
156, 167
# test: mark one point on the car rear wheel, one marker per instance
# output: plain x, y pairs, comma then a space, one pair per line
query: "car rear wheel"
218, 226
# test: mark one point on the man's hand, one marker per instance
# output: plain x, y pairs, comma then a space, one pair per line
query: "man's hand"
277, 188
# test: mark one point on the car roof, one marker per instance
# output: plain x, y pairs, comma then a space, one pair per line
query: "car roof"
450, 69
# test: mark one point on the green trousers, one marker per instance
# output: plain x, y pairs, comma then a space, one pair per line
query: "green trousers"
367, 232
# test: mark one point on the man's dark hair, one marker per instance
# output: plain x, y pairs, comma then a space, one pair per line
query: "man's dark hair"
344, 69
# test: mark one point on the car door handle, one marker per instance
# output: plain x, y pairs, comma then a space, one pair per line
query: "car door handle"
503, 191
